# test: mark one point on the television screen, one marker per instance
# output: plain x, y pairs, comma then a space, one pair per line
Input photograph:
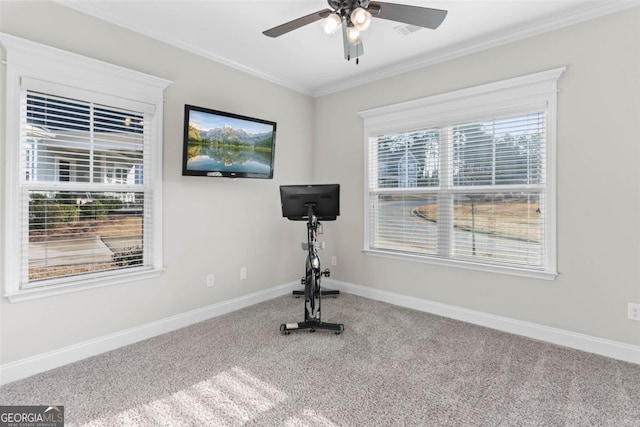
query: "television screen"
325, 199
228, 145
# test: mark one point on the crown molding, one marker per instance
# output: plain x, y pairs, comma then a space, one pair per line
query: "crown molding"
595, 10
477, 45
93, 9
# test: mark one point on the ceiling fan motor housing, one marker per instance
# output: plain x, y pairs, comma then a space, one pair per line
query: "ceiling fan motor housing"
345, 7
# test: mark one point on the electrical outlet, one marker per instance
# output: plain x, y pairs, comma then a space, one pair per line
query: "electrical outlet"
334, 260
243, 273
634, 311
210, 280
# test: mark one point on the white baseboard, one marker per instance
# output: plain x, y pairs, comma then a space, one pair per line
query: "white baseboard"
53, 359
588, 343
23, 368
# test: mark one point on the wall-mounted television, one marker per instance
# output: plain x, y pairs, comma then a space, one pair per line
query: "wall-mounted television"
220, 144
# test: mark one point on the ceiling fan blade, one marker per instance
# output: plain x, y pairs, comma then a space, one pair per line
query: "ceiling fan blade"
296, 23
414, 15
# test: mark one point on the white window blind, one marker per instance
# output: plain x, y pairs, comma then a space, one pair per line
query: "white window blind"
471, 186
85, 205
470, 190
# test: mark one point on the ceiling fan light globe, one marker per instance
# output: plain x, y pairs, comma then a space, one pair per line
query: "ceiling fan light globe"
353, 35
361, 18
331, 24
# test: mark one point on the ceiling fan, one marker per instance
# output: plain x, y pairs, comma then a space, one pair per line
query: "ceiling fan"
354, 16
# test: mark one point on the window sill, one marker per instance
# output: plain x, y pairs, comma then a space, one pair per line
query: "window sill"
76, 286
513, 271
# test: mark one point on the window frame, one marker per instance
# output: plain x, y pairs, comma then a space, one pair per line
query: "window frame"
493, 99
39, 66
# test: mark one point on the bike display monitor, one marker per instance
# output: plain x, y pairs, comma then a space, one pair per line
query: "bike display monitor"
325, 199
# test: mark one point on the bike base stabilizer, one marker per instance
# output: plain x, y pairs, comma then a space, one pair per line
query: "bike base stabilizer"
286, 328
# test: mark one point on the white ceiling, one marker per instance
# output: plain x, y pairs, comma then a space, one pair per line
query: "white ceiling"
309, 61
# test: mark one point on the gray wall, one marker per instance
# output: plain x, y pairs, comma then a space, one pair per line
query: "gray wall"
210, 225
598, 182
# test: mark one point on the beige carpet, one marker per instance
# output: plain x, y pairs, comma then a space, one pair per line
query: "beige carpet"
391, 367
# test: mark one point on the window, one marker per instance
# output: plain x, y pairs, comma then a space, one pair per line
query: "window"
466, 178
83, 172
64, 169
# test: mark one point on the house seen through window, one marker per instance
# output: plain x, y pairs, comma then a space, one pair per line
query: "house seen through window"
83, 169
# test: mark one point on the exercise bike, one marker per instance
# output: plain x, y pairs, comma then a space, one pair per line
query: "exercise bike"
311, 203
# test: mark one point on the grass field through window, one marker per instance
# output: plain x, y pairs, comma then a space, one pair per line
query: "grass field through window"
511, 220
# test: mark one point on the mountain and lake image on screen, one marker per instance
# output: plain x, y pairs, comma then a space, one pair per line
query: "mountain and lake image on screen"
227, 145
